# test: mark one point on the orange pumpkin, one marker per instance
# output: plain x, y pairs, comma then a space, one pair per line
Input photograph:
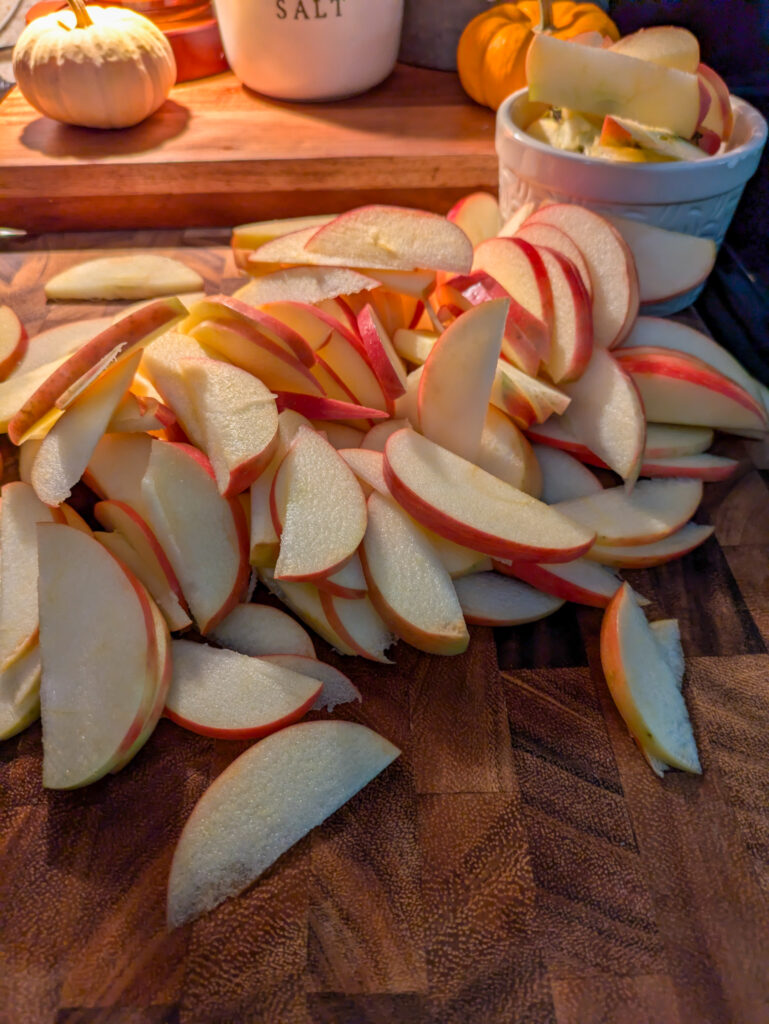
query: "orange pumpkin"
491, 57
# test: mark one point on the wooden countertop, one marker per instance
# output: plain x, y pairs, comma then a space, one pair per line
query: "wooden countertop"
217, 153
519, 864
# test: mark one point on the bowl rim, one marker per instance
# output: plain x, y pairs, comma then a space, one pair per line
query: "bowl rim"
756, 141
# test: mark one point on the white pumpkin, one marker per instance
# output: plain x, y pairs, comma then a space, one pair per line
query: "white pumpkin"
99, 67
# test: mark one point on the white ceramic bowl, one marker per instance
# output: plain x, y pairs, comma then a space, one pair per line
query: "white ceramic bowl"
696, 198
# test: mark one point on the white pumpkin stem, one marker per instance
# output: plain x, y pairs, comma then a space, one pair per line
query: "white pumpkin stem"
81, 14
545, 16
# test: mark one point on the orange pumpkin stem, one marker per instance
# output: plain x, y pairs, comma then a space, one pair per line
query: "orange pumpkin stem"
545, 16
81, 14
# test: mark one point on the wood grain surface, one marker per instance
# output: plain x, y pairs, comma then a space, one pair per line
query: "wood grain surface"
519, 864
218, 153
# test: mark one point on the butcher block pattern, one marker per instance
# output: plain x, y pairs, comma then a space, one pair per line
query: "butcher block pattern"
519, 864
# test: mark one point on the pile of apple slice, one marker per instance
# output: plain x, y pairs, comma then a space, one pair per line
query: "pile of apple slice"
352, 430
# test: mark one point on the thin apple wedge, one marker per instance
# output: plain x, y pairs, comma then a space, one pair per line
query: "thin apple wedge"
252, 235
664, 441
258, 629
580, 581
318, 509
471, 507
662, 44
117, 467
505, 453
368, 467
477, 215
643, 556
161, 364
318, 407
699, 467
654, 510
304, 284
359, 625
572, 339
263, 803
20, 693
525, 399
408, 583
643, 687
548, 236
60, 341
563, 476
488, 599
348, 581
13, 341
138, 276
456, 384
382, 357
304, 600
337, 688
232, 696
227, 309
414, 346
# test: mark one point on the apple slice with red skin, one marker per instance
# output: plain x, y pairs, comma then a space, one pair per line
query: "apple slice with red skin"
375, 439
610, 262
563, 476
318, 407
318, 509
304, 601
505, 453
20, 694
359, 625
665, 441
259, 629
137, 329
349, 362
117, 467
548, 236
384, 360
477, 215
101, 668
643, 686
161, 365
465, 504
408, 583
394, 238
643, 556
580, 581
228, 309
698, 467
572, 339
488, 599
67, 448
263, 803
525, 399
654, 510
204, 536
20, 512
59, 341
368, 466
348, 581
337, 688
20, 387
231, 696
13, 341
719, 116
677, 388
455, 386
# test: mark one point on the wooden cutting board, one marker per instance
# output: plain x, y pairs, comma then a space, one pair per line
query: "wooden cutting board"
217, 153
519, 864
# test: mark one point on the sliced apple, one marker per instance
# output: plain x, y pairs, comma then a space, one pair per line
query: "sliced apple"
642, 556
719, 116
572, 339
337, 687
117, 467
414, 346
305, 284
74, 519
318, 407
505, 453
20, 693
138, 276
20, 387
580, 581
477, 215
669, 45
136, 415
654, 142
525, 399
230, 310
368, 466
67, 448
347, 359
318, 509
251, 236
304, 600
664, 441
408, 583
264, 802
137, 329
488, 599
548, 236
161, 363
340, 435
643, 687
348, 581
392, 237
598, 81
59, 341
654, 510
359, 625
471, 507
455, 387
700, 467
13, 341
563, 476
204, 535
384, 360
258, 629
232, 696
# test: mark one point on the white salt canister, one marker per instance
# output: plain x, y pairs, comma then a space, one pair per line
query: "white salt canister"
310, 49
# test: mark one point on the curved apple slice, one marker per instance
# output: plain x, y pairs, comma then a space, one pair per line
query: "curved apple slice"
59, 342
642, 556
382, 357
304, 600
337, 688
700, 467
348, 581
548, 236
505, 453
488, 599
258, 629
572, 342
408, 583
13, 341
662, 44
263, 803
20, 693
643, 686
665, 441
220, 693
471, 507
563, 476
477, 215
368, 467
138, 276
360, 626
576, 581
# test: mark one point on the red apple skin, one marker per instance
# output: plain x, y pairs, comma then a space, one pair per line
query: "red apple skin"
256, 733
329, 608
705, 98
12, 327
709, 141
721, 91
646, 561
244, 474
338, 590
230, 308
376, 355
538, 576
121, 336
651, 468
318, 407
613, 134
579, 451
583, 346
322, 370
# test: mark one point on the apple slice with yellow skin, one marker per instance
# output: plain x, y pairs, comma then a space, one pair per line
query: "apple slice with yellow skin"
563, 476
359, 625
259, 629
408, 583
231, 696
471, 507
204, 536
13, 341
138, 276
20, 511
477, 215
455, 386
580, 581
505, 453
318, 509
20, 693
137, 329
99, 655
643, 556
337, 688
643, 686
263, 803
67, 448
304, 600
488, 599
654, 510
